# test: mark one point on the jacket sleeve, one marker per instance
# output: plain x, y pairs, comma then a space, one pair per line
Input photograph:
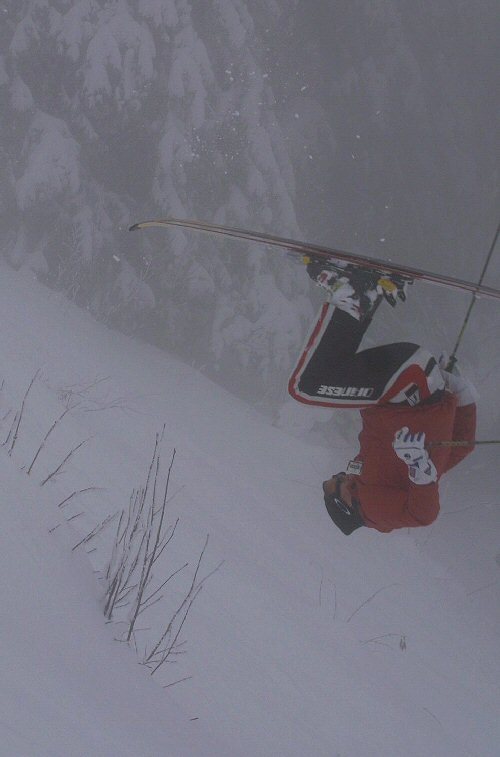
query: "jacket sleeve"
422, 505
409, 507
464, 429
419, 505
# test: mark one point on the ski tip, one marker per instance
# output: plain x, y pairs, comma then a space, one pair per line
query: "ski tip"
146, 225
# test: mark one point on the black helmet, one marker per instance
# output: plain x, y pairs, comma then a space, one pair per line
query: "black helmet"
346, 516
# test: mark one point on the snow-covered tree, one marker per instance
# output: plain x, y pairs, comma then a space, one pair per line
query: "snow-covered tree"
117, 110
361, 124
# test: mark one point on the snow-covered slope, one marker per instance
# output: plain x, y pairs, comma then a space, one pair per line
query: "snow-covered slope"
67, 688
302, 642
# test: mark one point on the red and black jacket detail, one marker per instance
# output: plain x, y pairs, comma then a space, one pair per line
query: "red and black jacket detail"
387, 497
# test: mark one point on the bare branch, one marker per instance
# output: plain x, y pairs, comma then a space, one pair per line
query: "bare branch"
61, 465
81, 491
369, 600
44, 441
21, 412
96, 530
181, 680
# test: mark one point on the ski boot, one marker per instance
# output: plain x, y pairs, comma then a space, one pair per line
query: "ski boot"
394, 287
357, 291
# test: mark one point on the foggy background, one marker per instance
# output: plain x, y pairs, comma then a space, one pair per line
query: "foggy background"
363, 124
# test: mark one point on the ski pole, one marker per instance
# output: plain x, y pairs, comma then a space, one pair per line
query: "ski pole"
453, 357
471, 443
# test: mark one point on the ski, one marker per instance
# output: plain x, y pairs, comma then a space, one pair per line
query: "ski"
326, 254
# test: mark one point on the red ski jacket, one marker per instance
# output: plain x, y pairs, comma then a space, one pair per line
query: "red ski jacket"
387, 497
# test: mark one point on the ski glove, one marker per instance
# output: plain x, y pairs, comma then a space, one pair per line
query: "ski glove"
464, 390
410, 448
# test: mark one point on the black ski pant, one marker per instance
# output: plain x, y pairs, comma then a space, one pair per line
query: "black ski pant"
333, 372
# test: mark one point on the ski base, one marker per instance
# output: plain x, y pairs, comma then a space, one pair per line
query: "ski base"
327, 255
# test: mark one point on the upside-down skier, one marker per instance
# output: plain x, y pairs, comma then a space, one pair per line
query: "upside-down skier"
406, 398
